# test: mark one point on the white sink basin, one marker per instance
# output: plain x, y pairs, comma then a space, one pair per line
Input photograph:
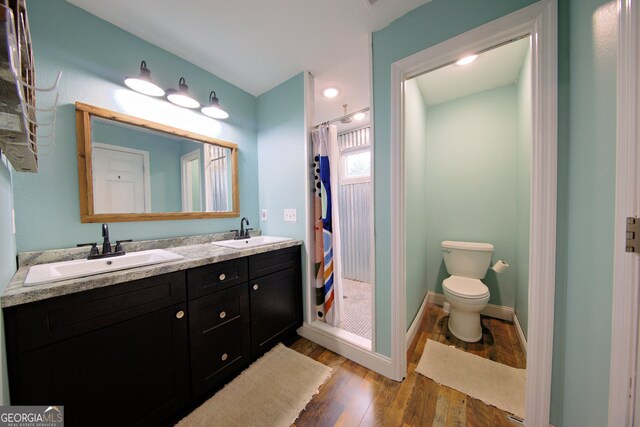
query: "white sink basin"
57, 271
251, 242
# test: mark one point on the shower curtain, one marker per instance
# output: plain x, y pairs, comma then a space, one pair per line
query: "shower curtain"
328, 292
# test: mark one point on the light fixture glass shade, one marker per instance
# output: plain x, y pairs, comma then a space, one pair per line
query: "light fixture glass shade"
358, 116
143, 82
213, 109
181, 96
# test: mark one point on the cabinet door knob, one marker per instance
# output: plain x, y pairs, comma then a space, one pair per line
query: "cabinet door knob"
222, 276
223, 314
180, 314
255, 286
224, 357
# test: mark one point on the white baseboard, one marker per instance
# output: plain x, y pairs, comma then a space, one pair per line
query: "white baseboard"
415, 325
521, 337
492, 310
335, 340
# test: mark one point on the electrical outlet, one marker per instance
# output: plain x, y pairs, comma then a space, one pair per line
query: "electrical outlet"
291, 215
263, 214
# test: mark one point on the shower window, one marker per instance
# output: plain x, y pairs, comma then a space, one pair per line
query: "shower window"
356, 166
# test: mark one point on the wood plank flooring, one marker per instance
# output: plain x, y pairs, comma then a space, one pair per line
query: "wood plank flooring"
356, 396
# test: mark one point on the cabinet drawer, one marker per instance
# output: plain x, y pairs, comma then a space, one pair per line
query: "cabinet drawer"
212, 278
208, 313
270, 262
222, 354
44, 322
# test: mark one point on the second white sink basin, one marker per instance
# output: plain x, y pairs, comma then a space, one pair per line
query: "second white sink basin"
57, 271
251, 242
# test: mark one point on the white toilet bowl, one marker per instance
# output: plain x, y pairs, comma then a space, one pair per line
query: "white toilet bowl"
468, 297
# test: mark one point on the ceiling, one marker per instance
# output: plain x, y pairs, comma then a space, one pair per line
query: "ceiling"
494, 68
258, 44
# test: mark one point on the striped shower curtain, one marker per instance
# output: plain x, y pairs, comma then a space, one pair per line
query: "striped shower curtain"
326, 304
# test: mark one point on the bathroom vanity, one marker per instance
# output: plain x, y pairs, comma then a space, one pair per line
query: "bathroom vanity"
143, 351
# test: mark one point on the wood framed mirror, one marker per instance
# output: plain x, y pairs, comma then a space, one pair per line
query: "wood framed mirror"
132, 169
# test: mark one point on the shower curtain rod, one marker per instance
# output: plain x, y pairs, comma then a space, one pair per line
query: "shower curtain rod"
364, 110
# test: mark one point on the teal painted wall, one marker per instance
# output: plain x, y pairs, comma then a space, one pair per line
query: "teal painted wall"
587, 171
281, 155
94, 57
283, 165
7, 262
523, 185
415, 175
471, 166
419, 29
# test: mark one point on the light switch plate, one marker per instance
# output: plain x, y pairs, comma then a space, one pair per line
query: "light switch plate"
263, 214
291, 215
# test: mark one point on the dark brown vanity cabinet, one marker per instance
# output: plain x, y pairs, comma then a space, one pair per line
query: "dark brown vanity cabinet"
112, 356
143, 352
275, 296
219, 323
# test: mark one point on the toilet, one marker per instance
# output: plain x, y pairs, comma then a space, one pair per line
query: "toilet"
467, 263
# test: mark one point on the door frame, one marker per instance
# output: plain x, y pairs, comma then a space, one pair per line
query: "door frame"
185, 185
626, 276
540, 20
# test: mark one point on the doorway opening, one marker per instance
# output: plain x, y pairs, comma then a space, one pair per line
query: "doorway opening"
539, 20
467, 156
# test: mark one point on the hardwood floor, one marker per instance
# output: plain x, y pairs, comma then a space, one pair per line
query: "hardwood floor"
356, 396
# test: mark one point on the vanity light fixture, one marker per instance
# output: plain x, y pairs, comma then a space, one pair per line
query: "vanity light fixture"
358, 116
467, 60
213, 109
181, 96
143, 82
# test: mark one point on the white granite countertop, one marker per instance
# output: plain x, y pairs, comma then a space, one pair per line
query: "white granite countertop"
194, 256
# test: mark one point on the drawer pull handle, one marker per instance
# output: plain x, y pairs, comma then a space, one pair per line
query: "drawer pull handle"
255, 286
180, 314
222, 276
224, 357
223, 314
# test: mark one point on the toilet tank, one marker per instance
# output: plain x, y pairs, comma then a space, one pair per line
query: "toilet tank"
467, 259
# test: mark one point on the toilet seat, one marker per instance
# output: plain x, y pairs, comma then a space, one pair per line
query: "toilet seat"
465, 287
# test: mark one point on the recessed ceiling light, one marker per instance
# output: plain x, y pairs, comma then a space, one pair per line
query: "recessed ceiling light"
331, 92
467, 60
358, 116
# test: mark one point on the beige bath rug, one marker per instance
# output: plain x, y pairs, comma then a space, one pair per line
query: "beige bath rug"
493, 383
271, 392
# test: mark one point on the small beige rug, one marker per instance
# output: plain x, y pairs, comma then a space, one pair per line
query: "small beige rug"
270, 393
493, 383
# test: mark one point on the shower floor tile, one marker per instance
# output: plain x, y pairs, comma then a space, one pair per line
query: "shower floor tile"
356, 304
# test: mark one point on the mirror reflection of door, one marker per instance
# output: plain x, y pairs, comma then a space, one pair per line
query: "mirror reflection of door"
190, 173
120, 179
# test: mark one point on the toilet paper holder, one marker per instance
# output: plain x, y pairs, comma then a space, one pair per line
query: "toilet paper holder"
500, 266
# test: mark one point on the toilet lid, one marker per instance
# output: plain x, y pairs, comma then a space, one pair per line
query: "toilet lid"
465, 287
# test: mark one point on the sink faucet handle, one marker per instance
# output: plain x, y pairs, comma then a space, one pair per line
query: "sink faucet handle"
235, 233
94, 249
119, 245
246, 232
